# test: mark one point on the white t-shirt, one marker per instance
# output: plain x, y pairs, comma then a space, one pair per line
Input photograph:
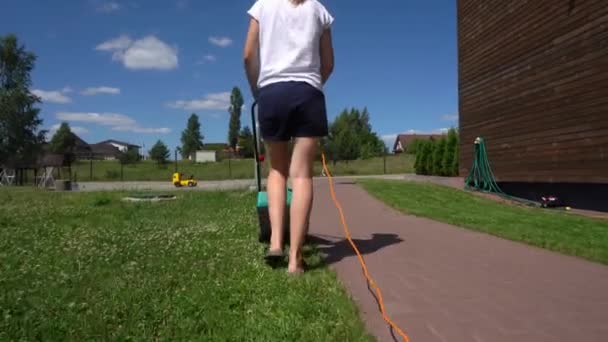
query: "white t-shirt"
290, 40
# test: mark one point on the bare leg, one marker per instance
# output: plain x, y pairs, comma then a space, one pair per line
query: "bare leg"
300, 171
277, 185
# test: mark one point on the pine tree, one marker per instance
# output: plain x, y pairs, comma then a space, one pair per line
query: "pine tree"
64, 142
454, 168
438, 157
418, 165
425, 151
451, 153
20, 137
246, 142
430, 151
159, 152
192, 139
236, 104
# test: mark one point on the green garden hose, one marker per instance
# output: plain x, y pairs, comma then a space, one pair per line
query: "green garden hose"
481, 178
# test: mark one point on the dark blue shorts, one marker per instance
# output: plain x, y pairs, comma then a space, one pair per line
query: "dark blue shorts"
291, 110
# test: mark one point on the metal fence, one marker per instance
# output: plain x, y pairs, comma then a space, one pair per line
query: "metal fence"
226, 169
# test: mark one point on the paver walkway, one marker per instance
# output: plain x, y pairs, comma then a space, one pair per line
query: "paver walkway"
444, 283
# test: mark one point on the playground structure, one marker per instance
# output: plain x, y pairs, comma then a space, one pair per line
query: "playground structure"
44, 172
7, 177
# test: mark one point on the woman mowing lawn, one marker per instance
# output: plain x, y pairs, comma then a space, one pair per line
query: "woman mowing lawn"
288, 59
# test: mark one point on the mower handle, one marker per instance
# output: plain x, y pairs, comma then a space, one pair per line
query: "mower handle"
256, 152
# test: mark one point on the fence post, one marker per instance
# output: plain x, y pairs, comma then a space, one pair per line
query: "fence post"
91, 167
229, 168
175, 160
121, 173
384, 157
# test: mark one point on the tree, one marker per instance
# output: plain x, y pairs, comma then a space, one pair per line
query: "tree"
430, 151
418, 163
351, 136
131, 156
63, 142
425, 148
450, 157
454, 169
412, 147
159, 152
236, 104
192, 139
439, 152
20, 138
246, 142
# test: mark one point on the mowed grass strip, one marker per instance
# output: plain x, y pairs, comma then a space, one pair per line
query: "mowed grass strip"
554, 230
107, 170
87, 266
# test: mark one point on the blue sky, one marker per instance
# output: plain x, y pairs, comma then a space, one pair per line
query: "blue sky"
134, 70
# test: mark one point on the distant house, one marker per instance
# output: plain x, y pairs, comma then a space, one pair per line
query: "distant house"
120, 145
404, 140
203, 156
105, 151
223, 150
81, 148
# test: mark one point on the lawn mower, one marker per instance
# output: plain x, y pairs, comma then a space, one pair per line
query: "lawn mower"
262, 196
179, 180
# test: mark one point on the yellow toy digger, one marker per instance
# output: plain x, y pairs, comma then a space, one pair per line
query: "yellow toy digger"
179, 181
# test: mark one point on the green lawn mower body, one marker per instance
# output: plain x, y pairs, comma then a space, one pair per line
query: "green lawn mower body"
264, 218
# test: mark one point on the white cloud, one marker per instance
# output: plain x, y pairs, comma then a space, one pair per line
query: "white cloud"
450, 117
117, 122
207, 59
415, 131
100, 90
146, 53
215, 101
120, 43
109, 7
138, 129
220, 41
53, 96
105, 119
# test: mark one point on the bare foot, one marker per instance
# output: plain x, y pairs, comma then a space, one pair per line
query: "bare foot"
296, 267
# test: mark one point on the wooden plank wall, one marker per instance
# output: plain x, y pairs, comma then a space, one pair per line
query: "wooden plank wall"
533, 81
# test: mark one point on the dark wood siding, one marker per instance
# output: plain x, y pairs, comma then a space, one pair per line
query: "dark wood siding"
533, 81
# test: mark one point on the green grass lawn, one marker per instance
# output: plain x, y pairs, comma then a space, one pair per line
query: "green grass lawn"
87, 266
226, 169
558, 231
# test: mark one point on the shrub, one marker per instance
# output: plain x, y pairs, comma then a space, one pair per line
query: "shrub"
439, 152
450, 158
112, 174
430, 151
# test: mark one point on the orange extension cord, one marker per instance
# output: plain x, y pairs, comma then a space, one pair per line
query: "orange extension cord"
370, 281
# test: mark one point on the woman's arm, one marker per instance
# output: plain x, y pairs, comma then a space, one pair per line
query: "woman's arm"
251, 58
327, 55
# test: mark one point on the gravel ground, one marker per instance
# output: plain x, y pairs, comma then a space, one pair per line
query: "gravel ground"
202, 185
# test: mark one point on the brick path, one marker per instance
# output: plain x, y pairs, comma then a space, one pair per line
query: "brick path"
444, 283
